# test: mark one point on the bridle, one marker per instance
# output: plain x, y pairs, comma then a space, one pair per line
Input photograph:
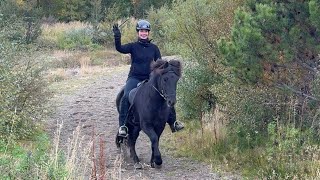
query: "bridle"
161, 91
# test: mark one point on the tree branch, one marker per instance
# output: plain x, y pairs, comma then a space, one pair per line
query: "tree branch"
282, 85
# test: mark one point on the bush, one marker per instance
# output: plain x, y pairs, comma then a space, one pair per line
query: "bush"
76, 39
23, 92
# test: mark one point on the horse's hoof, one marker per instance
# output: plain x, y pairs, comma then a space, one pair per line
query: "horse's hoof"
154, 165
138, 165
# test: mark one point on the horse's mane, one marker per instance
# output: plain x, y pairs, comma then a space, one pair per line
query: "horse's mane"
161, 66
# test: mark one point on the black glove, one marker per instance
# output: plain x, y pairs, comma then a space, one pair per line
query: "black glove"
116, 31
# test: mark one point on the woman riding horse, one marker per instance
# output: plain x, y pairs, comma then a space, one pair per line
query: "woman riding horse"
142, 52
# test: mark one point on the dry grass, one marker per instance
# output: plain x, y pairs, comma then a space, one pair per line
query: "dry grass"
215, 124
68, 64
77, 156
52, 31
60, 26
84, 159
85, 63
200, 142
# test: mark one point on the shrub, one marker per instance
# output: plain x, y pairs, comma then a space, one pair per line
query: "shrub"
23, 93
76, 39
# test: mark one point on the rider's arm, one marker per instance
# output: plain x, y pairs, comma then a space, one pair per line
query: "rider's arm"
126, 48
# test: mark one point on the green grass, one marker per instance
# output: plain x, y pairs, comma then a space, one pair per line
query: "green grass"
28, 159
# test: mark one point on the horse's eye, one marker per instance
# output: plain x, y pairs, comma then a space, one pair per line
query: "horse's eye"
165, 79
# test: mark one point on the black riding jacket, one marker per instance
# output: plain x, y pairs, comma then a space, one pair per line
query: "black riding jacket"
143, 52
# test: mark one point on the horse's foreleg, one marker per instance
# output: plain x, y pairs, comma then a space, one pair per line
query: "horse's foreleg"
133, 136
156, 159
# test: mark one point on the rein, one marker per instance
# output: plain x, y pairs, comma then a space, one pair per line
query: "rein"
160, 93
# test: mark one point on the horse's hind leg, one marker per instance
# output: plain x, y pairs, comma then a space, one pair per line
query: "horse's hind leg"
132, 138
156, 160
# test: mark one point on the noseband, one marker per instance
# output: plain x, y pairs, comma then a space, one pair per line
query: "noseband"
161, 91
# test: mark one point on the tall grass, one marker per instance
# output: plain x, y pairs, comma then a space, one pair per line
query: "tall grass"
81, 159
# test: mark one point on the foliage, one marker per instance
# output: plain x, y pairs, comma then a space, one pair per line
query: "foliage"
85, 10
76, 39
261, 53
275, 43
23, 94
19, 24
22, 86
140, 7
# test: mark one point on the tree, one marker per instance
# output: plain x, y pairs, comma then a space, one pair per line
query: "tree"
19, 21
74, 10
276, 43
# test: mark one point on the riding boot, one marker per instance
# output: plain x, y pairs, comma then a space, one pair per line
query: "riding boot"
124, 106
172, 121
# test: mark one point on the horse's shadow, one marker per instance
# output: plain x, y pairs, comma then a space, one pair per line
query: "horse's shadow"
149, 110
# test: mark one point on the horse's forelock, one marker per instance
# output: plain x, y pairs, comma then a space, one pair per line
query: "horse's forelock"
176, 67
157, 64
160, 66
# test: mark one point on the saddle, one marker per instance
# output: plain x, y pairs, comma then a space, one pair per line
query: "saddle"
134, 91
132, 95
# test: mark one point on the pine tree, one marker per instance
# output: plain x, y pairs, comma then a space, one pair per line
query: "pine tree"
275, 42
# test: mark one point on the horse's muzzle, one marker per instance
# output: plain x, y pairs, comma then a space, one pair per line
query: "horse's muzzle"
171, 102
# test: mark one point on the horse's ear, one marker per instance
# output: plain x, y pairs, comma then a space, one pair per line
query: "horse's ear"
159, 64
176, 66
175, 63
166, 65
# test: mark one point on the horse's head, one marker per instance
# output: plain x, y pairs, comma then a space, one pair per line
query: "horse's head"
166, 75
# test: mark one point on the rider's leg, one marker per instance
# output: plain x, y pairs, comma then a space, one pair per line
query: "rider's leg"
172, 121
124, 105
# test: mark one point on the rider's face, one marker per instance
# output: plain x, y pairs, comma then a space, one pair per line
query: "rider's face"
143, 34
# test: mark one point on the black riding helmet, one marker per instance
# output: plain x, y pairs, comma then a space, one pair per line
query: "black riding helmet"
143, 24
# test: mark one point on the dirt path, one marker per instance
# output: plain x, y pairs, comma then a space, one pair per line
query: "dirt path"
93, 105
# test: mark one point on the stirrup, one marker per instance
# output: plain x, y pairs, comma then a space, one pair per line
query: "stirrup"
123, 131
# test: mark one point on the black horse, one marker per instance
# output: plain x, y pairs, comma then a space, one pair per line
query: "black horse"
150, 107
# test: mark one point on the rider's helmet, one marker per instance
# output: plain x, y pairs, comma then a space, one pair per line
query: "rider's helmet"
143, 24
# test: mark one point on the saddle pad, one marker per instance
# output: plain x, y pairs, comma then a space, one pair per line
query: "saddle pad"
133, 92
